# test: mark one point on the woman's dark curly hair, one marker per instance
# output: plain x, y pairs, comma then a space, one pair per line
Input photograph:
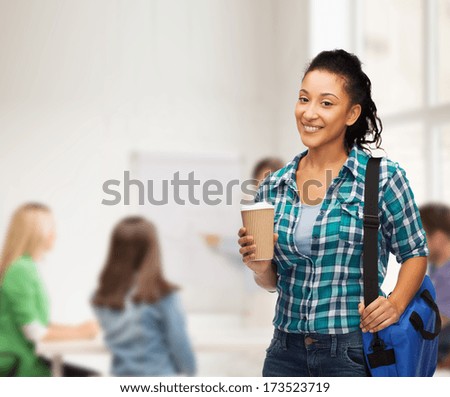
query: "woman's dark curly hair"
367, 129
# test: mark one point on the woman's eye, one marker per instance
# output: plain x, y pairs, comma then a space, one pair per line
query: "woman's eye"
326, 103
303, 99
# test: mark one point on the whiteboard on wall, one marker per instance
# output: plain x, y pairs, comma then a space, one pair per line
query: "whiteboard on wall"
209, 281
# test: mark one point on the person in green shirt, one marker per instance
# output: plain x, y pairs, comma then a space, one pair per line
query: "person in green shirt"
24, 305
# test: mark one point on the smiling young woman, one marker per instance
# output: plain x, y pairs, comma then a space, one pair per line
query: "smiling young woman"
318, 199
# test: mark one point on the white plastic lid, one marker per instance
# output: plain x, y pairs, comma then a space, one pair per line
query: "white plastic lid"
257, 206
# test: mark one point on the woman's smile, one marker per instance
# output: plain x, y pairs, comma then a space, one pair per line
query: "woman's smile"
311, 128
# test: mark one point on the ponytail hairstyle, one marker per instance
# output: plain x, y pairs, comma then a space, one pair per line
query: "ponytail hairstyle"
367, 128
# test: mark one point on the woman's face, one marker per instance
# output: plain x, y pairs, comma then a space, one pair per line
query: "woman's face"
324, 110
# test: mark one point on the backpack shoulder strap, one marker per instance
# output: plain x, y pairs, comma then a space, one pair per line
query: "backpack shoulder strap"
371, 225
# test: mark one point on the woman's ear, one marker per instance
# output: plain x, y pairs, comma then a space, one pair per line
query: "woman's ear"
353, 114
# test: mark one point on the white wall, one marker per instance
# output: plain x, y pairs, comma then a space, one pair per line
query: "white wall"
291, 53
83, 84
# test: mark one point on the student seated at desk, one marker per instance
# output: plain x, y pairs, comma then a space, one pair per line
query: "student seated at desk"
24, 306
138, 309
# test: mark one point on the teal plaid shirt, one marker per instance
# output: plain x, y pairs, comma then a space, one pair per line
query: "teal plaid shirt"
321, 293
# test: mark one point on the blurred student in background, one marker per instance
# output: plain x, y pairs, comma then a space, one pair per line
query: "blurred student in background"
226, 245
138, 309
24, 306
436, 222
266, 166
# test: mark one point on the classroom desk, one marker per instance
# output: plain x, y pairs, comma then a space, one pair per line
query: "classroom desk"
220, 340
56, 351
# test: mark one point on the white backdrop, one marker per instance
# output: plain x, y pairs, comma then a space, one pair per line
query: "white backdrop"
84, 84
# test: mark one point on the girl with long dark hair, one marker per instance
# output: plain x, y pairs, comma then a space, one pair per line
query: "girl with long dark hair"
138, 309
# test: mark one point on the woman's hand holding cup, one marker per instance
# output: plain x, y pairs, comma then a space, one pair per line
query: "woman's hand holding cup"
248, 252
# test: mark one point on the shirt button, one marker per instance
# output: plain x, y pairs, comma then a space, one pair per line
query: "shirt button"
315, 237
322, 212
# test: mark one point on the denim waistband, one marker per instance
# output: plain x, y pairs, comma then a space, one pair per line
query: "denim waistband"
315, 340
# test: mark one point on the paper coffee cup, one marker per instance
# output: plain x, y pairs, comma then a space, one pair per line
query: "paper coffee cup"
258, 220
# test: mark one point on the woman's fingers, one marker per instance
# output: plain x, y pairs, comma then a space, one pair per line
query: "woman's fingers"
246, 240
378, 315
248, 249
242, 231
361, 308
373, 320
383, 325
370, 314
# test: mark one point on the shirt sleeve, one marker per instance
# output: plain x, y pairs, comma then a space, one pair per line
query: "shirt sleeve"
19, 287
401, 221
178, 340
34, 331
262, 194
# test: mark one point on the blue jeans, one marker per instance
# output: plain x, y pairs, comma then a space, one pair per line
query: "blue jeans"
315, 355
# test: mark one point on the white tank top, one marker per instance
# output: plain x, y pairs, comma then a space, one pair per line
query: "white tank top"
303, 232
